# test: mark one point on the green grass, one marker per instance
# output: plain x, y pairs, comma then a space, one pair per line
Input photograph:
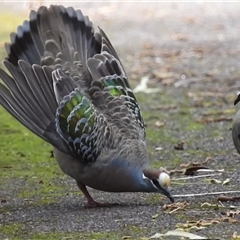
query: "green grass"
20, 231
9, 23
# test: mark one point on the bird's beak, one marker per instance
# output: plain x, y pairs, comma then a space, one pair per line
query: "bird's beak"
237, 99
168, 194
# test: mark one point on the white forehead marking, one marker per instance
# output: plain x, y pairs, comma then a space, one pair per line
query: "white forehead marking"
143, 176
164, 179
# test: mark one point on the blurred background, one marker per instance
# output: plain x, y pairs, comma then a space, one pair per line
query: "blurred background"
153, 36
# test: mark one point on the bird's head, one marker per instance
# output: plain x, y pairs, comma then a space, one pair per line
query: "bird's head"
157, 180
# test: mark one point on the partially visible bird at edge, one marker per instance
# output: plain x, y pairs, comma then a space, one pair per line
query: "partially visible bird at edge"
236, 126
67, 85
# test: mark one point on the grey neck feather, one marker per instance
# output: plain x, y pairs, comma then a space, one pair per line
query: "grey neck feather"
126, 177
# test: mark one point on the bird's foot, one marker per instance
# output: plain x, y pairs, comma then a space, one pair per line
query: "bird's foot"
91, 203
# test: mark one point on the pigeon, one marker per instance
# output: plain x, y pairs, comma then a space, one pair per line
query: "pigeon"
66, 84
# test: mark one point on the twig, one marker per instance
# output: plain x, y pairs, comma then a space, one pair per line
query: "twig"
199, 176
174, 210
203, 194
211, 170
142, 86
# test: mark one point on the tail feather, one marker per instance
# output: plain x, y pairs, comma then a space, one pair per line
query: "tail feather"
22, 46
68, 29
35, 89
22, 97
22, 88
36, 40
10, 104
47, 86
18, 108
63, 28
107, 47
51, 54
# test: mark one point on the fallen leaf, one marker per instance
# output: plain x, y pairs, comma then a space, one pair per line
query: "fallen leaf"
178, 233
226, 181
164, 107
159, 124
158, 148
223, 198
210, 205
232, 213
175, 206
213, 180
155, 216
211, 120
235, 236
180, 37
179, 146
127, 237
142, 86
192, 170
194, 164
190, 225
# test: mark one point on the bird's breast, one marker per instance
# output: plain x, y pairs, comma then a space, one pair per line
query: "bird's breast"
114, 176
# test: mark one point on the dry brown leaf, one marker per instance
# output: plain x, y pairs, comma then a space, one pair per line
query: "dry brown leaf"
127, 237
168, 81
164, 107
179, 146
205, 223
162, 75
175, 206
191, 167
190, 20
232, 213
196, 164
192, 170
155, 216
226, 181
6, 166
211, 120
223, 198
180, 37
205, 94
215, 181
235, 236
197, 50
222, 112
159, 124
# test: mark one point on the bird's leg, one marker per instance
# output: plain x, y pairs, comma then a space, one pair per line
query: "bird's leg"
91, 203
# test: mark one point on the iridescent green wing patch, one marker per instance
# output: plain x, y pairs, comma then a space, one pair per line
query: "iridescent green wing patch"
75, 122
116, 87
